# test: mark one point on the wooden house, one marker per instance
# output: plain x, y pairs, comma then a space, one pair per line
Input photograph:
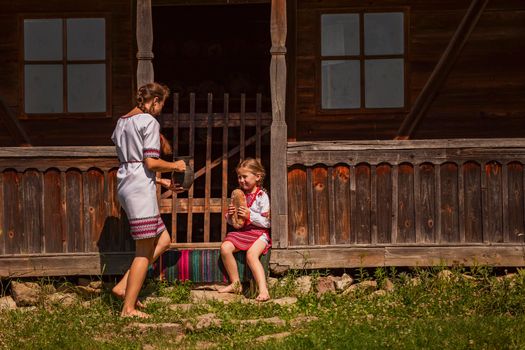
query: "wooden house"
392, 130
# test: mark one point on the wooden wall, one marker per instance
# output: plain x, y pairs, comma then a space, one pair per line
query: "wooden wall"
69, 131
404, 192
482, 97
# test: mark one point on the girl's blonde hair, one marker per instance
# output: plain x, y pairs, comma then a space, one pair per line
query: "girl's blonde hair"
254, 166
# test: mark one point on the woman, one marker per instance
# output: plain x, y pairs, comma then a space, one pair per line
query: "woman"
137, 138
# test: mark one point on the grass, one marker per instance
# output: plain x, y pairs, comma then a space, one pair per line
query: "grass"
429, 312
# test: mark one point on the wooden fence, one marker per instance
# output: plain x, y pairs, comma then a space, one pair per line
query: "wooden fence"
214, 141
445, 192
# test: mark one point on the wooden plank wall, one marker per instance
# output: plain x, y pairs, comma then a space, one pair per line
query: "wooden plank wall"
69, 131
482, 97
401, 192
60, 201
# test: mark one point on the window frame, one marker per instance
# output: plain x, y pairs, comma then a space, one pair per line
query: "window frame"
64, 62
319, 58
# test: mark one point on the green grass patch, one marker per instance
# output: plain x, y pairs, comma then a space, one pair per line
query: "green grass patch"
426, 310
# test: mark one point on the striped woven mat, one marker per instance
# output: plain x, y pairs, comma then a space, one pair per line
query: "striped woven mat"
200, 266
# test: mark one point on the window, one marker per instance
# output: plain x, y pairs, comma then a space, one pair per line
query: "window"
65, 66
362, 60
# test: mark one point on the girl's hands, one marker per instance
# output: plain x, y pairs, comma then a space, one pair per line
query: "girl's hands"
243, 212
179, 166
231, 209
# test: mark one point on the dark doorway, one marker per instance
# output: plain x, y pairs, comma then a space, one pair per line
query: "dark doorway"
218, 49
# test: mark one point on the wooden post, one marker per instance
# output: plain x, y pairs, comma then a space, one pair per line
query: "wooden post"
144, 43
278, 171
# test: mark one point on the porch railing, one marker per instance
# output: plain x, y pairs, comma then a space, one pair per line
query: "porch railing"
446, 192
60, 200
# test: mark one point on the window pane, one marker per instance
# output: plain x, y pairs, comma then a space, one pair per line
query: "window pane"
43, 88
340, 34
86, 39
86, 88
384, 83
43, 39
384, 34
341, 84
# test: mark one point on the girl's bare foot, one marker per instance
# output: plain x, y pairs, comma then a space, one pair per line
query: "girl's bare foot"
263, 297
134, 313
234, 288
121, 293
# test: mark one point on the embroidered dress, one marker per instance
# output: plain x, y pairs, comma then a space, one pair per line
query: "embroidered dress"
137, 137
256, 226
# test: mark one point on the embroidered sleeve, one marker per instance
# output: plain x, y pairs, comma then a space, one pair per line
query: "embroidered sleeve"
260, 211
151, 145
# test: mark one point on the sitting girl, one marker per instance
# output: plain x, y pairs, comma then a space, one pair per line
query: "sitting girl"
254, 236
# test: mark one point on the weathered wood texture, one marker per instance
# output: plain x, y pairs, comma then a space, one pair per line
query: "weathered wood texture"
60, 200
81, 130
480, 98
279, 211
388, 255
398, 192
215, 142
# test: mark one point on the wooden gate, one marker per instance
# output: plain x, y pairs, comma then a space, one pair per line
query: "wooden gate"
215, 141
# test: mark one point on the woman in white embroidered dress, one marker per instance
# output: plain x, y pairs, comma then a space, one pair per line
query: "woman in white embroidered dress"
137, 138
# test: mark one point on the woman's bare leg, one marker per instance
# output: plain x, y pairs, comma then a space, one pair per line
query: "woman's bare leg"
252, 258
163, 243
227, 250
137, 273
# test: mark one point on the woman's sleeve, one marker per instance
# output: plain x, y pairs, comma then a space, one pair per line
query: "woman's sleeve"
261, 218
151, 137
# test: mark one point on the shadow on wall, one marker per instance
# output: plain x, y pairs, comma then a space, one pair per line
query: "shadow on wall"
115, 245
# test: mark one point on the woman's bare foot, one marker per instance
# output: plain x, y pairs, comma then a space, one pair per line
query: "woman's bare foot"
234, 288
263, 297
134, 313
120, 293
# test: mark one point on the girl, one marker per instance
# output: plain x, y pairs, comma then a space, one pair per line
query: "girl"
137, 139
254, 237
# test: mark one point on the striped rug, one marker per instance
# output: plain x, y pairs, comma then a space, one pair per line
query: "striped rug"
200, 266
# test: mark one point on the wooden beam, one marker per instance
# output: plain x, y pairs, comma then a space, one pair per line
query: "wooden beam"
13, 126
144, 43
442, 69
278, 169
319, 257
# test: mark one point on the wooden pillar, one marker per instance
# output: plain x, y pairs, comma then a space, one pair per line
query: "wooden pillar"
144, 43
278, 171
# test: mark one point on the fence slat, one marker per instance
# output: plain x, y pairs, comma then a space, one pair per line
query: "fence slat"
32, 207
191, 139
258, 102
363, 198
405, 222
516, 208
427, 202
473, 210
225, 194
342, 211
298, 209
3, 226
243, 127
175, 142
384, 203
207, 186
449, 202
53, 230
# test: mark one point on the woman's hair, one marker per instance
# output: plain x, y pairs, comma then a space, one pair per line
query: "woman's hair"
254, 166
148, 92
